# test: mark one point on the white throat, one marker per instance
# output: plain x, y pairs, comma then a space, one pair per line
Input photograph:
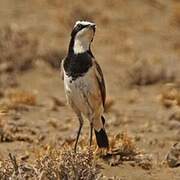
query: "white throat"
80, 46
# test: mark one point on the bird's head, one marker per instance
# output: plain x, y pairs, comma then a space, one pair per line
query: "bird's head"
82, 36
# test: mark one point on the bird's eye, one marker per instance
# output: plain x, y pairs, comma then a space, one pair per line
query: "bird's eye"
79, 26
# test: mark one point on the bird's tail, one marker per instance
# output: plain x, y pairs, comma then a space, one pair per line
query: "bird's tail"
101, 136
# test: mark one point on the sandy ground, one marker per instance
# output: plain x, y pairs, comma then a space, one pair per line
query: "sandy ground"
137, 44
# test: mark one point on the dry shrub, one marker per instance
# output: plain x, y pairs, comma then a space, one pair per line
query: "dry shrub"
10, 132
62, 163
8, 106
5, 136
22, 97
18, 100
123, 144
18, 49
123, 150
170, 95
150, 71
11, 169
68, 165
53, 164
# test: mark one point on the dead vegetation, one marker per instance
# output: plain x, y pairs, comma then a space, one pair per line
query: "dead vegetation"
18, 51
170, 95
151, 71
17, 100
53, 164
10, 132
123, 149
22, 97
63, 163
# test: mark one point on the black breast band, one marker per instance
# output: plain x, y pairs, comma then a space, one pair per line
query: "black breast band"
75, 65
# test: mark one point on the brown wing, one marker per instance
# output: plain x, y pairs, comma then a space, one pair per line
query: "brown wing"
100, 79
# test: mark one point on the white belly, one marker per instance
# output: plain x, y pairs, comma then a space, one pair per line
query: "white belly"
83, 94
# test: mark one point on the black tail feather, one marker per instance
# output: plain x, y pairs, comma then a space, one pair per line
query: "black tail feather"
101, 137
103, 120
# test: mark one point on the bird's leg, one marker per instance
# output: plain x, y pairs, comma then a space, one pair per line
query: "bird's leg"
79, 131
91, 133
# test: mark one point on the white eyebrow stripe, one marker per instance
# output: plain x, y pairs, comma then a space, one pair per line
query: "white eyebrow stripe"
84, 23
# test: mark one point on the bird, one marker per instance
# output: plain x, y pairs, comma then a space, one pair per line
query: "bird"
84, 83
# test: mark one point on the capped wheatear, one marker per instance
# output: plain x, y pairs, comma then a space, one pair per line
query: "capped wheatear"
84, 82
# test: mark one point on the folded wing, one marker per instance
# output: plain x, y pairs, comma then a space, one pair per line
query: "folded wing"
101, 82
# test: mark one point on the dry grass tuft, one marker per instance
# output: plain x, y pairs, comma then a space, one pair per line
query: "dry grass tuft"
150, 71
10, 132
123, 150
18, 50
63, 163
18, 100
170, 95
5, 135
53, 164
22, 97
123, 144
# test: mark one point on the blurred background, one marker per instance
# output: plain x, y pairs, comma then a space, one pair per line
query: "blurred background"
137, 44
